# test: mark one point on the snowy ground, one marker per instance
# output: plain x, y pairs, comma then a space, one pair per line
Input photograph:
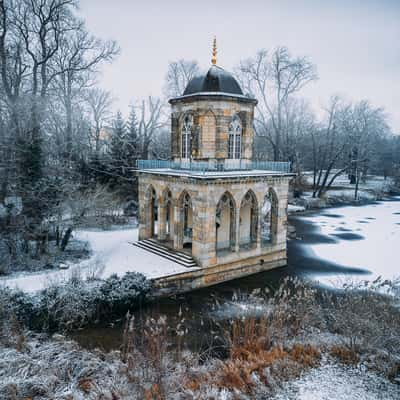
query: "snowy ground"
293, 208
332, 381
112, 253
373, 182
366, 237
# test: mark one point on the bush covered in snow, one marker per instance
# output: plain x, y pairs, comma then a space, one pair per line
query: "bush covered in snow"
75, 303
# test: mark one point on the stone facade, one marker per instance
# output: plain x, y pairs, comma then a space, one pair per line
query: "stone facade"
205, 194
211, 117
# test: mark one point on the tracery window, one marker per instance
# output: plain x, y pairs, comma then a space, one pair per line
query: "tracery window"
235, 138
187, 126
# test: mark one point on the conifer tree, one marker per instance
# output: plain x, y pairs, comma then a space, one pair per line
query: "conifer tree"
132, 142
118, 147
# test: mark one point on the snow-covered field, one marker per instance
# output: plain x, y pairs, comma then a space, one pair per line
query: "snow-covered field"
366, 237
112, 253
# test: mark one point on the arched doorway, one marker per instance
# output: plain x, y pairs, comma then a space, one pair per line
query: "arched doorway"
165, 219
184, 225
151, 211
269, 218
248, 221
225, 223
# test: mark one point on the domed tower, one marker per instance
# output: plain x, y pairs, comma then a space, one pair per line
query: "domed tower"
213, 121
211, 207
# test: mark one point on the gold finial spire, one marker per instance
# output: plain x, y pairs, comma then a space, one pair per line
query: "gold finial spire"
214, 52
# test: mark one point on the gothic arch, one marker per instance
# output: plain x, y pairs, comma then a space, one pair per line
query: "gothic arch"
225, 223
269, 217
248, 220
184, 230
166, 217
151, 205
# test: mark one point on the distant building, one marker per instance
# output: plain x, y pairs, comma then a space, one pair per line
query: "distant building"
212, 206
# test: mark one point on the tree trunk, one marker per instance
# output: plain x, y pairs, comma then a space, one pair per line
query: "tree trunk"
66, 238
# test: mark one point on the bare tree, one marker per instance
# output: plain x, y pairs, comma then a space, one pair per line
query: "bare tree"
273, 80
328, 148
345, 142
178, 76
364, 125
149, 122
77, 62
99, 102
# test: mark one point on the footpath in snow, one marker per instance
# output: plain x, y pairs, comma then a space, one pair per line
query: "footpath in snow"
112, 253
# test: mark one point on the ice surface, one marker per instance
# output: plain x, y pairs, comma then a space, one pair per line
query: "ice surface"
377, 247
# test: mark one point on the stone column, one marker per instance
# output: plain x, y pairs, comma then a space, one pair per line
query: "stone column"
259, 219
162, 222
171, 222
204, 234
237, 231
178, 228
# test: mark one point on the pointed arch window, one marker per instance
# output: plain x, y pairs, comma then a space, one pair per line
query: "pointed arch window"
235, 138
186, 145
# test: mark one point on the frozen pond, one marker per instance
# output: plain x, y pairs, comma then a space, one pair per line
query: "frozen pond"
356, 242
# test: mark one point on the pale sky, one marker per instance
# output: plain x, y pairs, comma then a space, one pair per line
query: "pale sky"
355, 44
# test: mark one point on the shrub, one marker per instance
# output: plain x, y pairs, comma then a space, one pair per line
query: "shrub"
76, 303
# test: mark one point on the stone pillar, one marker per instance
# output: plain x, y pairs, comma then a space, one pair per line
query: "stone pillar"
162, 222
178, 228
204, 234
237, 230
145, 220
258, 237
282, 221
171, 222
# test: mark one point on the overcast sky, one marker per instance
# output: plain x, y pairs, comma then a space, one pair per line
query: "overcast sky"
355, 44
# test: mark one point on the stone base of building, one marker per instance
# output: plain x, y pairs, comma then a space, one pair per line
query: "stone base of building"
204, 277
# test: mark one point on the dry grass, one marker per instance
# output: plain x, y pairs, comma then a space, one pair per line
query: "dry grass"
345, 354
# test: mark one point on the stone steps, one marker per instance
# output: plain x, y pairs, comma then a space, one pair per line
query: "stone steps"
159, 249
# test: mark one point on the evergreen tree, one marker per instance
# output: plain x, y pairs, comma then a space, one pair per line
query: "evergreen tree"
132, 140
118, 149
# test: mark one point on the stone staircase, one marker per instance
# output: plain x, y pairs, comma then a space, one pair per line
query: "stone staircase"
155, 247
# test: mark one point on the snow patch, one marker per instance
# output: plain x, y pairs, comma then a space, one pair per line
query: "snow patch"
112, 253
332, 381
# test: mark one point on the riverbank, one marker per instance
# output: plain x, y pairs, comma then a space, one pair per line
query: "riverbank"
301, 335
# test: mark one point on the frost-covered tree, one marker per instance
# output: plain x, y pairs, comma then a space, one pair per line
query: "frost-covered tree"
178, 76
274, 78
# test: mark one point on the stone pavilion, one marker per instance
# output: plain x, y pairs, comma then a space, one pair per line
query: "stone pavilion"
212, 206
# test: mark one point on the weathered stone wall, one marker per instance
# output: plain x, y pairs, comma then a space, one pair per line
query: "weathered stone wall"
211, 126
205, 195
187, 281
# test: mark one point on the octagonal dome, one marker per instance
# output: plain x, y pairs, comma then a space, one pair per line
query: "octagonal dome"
214, 81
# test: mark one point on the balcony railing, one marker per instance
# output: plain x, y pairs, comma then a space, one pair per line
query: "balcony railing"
215, 166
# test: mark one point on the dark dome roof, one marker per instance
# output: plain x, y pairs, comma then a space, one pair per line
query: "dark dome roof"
216, 80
